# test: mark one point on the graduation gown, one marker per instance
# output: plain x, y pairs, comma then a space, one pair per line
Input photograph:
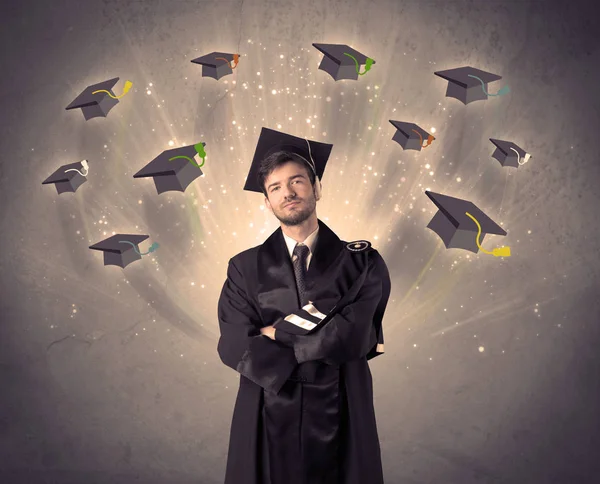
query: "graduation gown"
304, 411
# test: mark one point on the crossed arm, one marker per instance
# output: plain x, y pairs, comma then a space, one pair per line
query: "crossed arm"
268, 359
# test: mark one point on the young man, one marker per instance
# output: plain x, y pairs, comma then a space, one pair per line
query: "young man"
299, 316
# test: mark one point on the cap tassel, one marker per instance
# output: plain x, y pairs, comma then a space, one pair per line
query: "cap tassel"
368, 64
151, 249
199, 147
501, 92
430, 138
526, 158
497, 252
236, 58
126, 89
85, 166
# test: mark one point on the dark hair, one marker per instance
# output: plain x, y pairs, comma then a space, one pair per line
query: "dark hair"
271, 162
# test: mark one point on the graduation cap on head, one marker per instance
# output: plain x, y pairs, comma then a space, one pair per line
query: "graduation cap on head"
174, 170
410, 136
68, 178
461, 225
343, 62
270, 141
98, 99
122, 249
509, 154
217, 64
468, 84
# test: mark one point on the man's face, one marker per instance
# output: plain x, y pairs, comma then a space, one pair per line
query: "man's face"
289, 182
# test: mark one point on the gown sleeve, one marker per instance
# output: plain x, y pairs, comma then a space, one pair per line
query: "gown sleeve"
241, 346
353, 333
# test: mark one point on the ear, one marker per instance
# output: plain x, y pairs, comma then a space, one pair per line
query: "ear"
268, 204
317, 191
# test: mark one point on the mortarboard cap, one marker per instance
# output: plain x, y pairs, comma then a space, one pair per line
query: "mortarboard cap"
217, 64
459, 231
173, 170
271, 141
468, 84
343, 62
509, 154
68, 178
94, 105
410, 136
122, 249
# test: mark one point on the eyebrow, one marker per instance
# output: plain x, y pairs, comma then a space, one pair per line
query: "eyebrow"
290, 178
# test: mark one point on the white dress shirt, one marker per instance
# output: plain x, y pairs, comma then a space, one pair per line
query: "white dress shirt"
310, 242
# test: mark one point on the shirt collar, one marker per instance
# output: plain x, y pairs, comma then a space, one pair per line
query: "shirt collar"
309, 241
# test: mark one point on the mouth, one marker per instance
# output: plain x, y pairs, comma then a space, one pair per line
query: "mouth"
292, 204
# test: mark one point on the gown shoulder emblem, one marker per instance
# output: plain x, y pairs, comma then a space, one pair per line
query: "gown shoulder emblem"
358, 246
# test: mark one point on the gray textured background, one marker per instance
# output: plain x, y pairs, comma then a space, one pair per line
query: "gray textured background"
112, 376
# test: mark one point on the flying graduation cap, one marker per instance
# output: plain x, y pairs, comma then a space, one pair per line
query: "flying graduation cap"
217, 64
174, 170
343, 62
509, 154
98, 99
410, 136
315, 153
68, 178
122, 249
462, 225
468, 84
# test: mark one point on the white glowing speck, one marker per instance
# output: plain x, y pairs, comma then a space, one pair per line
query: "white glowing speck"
458, 179
171, 143
481, 349
274, 91
308, 121
279, 126
233, 122
433, 130
260, 86
148, 92
281, 56
258, 73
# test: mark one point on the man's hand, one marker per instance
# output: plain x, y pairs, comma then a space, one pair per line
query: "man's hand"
268, 331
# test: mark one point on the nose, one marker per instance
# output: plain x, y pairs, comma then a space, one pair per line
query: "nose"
289, 193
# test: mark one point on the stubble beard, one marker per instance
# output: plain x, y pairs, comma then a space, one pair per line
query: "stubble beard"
297, 216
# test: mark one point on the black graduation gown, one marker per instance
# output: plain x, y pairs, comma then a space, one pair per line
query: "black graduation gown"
304, 411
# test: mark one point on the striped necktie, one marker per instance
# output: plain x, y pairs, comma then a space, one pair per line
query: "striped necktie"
299, 258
